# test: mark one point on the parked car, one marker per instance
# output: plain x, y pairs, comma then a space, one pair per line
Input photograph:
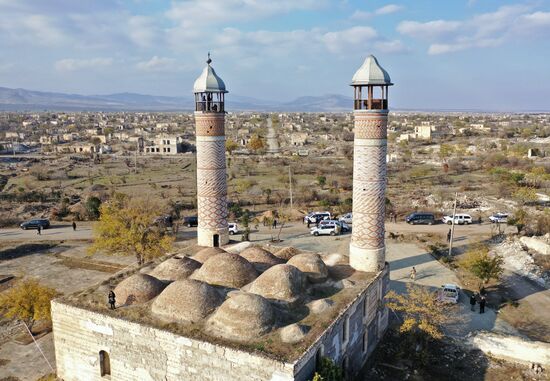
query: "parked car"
191, 221
331, 228
344, 228
500, 218
233, 228
164, 221
449, 293
44, 223
313, 217
347, 218
460, 219
420, 218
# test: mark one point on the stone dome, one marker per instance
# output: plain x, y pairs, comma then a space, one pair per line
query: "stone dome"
312, 265
227, 270
243, 316
175, 268
286, 253
293, 333
260, 258
283, 283
186, 301
138, 288
206, 253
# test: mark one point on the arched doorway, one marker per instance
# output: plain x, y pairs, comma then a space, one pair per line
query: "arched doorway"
216, 239
104, 364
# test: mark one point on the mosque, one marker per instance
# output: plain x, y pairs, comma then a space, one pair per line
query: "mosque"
223, 311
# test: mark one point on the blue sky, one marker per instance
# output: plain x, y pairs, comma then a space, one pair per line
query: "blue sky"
451, 54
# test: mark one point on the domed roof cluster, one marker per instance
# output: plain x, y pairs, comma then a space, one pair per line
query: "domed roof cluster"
138, 288
263, 283
243, 316
227, 270
186, 301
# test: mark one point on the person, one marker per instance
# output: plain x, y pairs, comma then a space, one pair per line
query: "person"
449, 236
274, 223
479, 220
395, 217
308, 222
473, 302
413, 274
111, 300
74, 226
482, 305
39, 230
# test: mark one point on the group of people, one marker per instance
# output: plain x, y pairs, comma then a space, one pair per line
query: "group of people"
39, 228
477, 298
393, 217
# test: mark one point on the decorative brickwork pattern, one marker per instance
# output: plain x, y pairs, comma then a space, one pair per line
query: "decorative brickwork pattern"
211, 179
370, 126
212, 213
209, 124
369, 187
211, 154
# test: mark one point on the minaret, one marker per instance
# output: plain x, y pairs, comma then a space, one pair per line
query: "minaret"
272, 143
209, 92
367, 247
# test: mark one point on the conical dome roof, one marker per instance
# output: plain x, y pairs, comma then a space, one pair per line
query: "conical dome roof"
209, 81
371, 73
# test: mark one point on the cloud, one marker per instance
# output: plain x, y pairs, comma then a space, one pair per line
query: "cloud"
394, 46
71, 64
484, 30
343, 40
158, 64
361, 15
387, 9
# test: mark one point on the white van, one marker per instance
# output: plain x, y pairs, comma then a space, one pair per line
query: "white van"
460, 219
329, 228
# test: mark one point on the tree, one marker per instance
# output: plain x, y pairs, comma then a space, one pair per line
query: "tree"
518, 219
423, 315
230, 146
28, 301
328, 371
321, 180
484, 266
445, 151
92, 207
256, 143
525, 195
127, 226
267, 193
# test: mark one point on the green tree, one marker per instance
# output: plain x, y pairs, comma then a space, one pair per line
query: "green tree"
230, 146
518, 219
482, 265
92, 206
321, 180
525, 195
28, 301
328, 371
127, 226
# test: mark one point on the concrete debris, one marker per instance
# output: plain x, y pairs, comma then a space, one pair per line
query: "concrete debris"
519, 261
539, 244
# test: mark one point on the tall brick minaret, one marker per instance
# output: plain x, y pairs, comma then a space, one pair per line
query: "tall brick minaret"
370, 84
210, 92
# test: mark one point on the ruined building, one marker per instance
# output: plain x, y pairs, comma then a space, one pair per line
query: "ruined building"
241, 312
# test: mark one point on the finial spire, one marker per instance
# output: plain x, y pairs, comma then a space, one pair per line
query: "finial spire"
209, 60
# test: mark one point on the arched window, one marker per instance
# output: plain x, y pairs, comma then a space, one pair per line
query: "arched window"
104, 364
345, 330
319, 357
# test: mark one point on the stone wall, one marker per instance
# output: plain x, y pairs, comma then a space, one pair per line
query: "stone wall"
139, 352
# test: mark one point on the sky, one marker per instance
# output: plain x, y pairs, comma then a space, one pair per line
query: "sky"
441, 54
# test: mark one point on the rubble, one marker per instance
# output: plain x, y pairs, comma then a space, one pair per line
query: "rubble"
539, 244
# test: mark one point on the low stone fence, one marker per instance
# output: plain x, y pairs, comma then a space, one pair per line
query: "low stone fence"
511, 348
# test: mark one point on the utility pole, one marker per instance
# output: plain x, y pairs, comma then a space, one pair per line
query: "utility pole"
290, 185
135, 156
453, 227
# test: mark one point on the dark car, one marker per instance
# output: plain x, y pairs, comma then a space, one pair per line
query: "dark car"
164, 221
418, 218
44, 223
191, 221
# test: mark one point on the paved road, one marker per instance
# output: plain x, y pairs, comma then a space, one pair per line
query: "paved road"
64, 231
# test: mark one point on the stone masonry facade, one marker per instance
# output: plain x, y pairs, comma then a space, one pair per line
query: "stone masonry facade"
140, 352
367, 248
211, 179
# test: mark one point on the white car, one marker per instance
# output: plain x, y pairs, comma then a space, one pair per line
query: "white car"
460, 219
330, 228
313, 217
347, 218
449, 293
500, 218
233, 228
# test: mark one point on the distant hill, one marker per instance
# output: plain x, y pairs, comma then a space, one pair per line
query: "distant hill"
28, 100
